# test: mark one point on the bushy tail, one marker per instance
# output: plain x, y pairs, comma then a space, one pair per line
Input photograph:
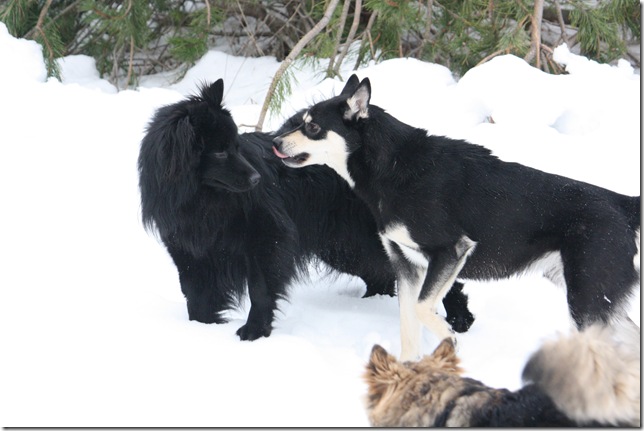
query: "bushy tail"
593, 375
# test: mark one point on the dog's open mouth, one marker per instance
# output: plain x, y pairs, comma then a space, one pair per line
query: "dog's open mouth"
297, 159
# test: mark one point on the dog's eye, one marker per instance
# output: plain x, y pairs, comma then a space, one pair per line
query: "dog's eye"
312, 128
222, 155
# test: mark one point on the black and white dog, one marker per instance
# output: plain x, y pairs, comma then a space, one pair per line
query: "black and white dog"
236, 220
446, 208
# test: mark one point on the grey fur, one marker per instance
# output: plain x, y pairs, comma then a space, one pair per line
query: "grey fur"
592, 375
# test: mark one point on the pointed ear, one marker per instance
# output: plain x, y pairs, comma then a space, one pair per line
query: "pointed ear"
381, 371
379, 361
351, 85
214, 93
382, 366
445, 356
358, 102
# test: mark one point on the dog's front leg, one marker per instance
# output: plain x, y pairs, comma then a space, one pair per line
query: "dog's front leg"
409, 284
205, 293
410, 272
262, 304
445, 267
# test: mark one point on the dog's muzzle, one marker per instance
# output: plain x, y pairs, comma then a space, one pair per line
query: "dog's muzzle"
292, 161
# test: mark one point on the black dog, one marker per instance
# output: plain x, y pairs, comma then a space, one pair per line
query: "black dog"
232, 216
447, 208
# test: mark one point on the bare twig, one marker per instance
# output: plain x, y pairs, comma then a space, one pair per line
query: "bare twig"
118, 54
491, 56
560, 20
338, 37
130, 63
454, 15
544, 63
428, 28
535, 48
280, 32
372, 50
208, 12
350, 37
291, 56
367, 33
250, 34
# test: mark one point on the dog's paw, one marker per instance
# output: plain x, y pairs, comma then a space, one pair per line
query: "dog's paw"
207, 318
251, 332
380, 289
461, 322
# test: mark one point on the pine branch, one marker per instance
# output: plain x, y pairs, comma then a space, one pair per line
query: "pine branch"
39, 26
30, 33
292, 55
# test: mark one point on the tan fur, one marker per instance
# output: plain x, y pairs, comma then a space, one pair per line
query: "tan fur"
405, 394
592, 375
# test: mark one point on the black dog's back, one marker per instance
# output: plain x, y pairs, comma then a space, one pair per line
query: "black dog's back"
507, 206
514, 213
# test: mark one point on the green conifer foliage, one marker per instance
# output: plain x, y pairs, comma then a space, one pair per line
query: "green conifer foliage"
130, 38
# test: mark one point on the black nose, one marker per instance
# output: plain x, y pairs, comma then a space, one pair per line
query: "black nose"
254, 178
277, 140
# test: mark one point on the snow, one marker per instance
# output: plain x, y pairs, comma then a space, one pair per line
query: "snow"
95, 329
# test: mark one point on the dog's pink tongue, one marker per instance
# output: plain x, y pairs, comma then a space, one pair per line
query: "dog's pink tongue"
278, 154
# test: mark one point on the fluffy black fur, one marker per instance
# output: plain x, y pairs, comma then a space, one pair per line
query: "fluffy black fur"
443, 190
234, 219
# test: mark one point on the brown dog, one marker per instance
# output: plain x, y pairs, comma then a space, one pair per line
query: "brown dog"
589, 378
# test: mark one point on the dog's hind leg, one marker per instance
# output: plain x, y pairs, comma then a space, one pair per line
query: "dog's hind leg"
599, 271
441, 275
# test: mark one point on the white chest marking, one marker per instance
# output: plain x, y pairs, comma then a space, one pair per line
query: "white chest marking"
336, 156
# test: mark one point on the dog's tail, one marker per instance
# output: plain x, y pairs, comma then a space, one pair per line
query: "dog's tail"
592, 376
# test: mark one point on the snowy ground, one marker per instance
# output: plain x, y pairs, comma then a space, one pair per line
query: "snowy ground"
95, 330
